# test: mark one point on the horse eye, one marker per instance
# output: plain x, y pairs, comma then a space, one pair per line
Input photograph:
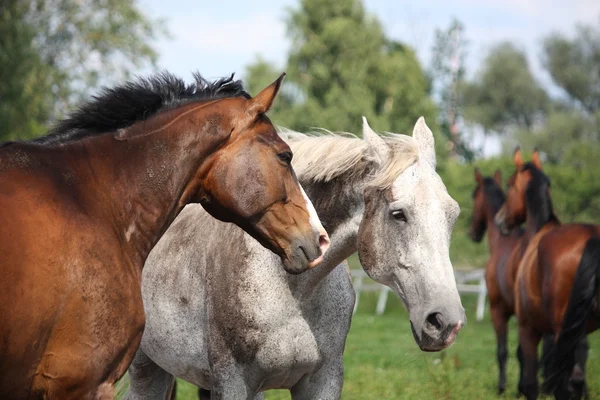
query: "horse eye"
399, 215
286, 157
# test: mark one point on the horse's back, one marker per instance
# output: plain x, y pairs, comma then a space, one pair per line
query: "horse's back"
560, 252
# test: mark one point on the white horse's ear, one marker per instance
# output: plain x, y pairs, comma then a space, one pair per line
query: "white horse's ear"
424, 138
380, 148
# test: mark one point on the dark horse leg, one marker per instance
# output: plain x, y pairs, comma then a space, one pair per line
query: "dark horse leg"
520, 359
547, 347
577, 384
203, 394
500, 319
528, 343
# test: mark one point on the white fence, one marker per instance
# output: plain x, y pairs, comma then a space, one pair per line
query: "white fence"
362, 283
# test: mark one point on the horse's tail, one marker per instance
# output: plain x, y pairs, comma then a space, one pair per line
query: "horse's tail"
584, 289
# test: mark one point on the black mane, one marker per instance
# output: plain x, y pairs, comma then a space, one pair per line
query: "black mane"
537, 196
122, 106
494, 193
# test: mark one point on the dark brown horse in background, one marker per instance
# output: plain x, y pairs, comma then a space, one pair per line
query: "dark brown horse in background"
81, 208
501, 268
556, 289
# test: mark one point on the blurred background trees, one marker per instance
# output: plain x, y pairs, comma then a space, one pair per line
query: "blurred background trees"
53, 53
341, 65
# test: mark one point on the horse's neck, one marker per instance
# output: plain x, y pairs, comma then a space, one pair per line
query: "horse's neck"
493, 232
138, 184
340, 207
495, 237
540, 216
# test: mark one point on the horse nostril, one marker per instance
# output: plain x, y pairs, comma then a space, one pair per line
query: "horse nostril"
324, 243
435, 321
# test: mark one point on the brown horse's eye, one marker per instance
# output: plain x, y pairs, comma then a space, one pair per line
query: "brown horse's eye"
286, 157
399, 215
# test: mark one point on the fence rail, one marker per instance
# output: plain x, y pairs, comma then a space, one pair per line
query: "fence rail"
467, 281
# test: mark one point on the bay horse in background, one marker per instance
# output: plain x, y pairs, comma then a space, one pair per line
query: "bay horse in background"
81, 208
234, 324
501, 268
556, 290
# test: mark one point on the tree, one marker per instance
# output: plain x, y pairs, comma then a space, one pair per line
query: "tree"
570, 132
60, 50
22, 76
574, 65
447, 73
341, 66
505, 95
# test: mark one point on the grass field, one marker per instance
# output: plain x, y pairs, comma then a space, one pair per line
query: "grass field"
382, 360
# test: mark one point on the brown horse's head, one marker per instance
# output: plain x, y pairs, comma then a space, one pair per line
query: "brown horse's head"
514, 211
482, 202
249, 181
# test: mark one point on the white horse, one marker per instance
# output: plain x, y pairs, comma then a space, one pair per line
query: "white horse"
222, 314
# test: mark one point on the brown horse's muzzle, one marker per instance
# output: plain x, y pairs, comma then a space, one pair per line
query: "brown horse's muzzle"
301, 245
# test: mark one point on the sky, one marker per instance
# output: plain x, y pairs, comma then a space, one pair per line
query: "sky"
217, 38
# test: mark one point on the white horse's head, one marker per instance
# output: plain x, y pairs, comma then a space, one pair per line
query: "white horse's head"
407, 203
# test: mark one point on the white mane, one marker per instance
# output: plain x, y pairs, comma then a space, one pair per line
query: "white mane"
323, 155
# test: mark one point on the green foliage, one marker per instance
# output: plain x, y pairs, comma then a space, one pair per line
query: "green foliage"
574, 65
59, 50
448, 73
341, 67
22, 108
505, 94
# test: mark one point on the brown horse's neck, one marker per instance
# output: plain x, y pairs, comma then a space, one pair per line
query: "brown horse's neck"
139, 184
540, 215
493, 232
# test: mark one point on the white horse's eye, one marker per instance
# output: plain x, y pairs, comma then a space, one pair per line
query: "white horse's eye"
399, 215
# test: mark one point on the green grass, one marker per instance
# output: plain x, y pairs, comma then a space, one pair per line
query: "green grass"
382, 360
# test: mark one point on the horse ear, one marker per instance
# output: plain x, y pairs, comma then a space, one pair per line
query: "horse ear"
535, 159
424, 138
518, 157
478, 176
261, 103
498, 177
381, 149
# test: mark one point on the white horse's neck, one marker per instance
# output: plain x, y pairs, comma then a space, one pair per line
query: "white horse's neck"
340, 209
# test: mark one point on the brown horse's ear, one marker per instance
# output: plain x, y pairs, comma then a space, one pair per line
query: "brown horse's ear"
535, 159
518, 157
478, 176
262, 102
498, 177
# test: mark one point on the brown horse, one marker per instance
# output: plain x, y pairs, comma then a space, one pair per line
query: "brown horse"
556, 290
501, 268
82, 207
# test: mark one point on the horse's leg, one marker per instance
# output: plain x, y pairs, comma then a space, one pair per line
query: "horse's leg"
148, 380
500, 320
229, 384
203, 394
528, 341
326, 383
577, 384
547, 346
521, 367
